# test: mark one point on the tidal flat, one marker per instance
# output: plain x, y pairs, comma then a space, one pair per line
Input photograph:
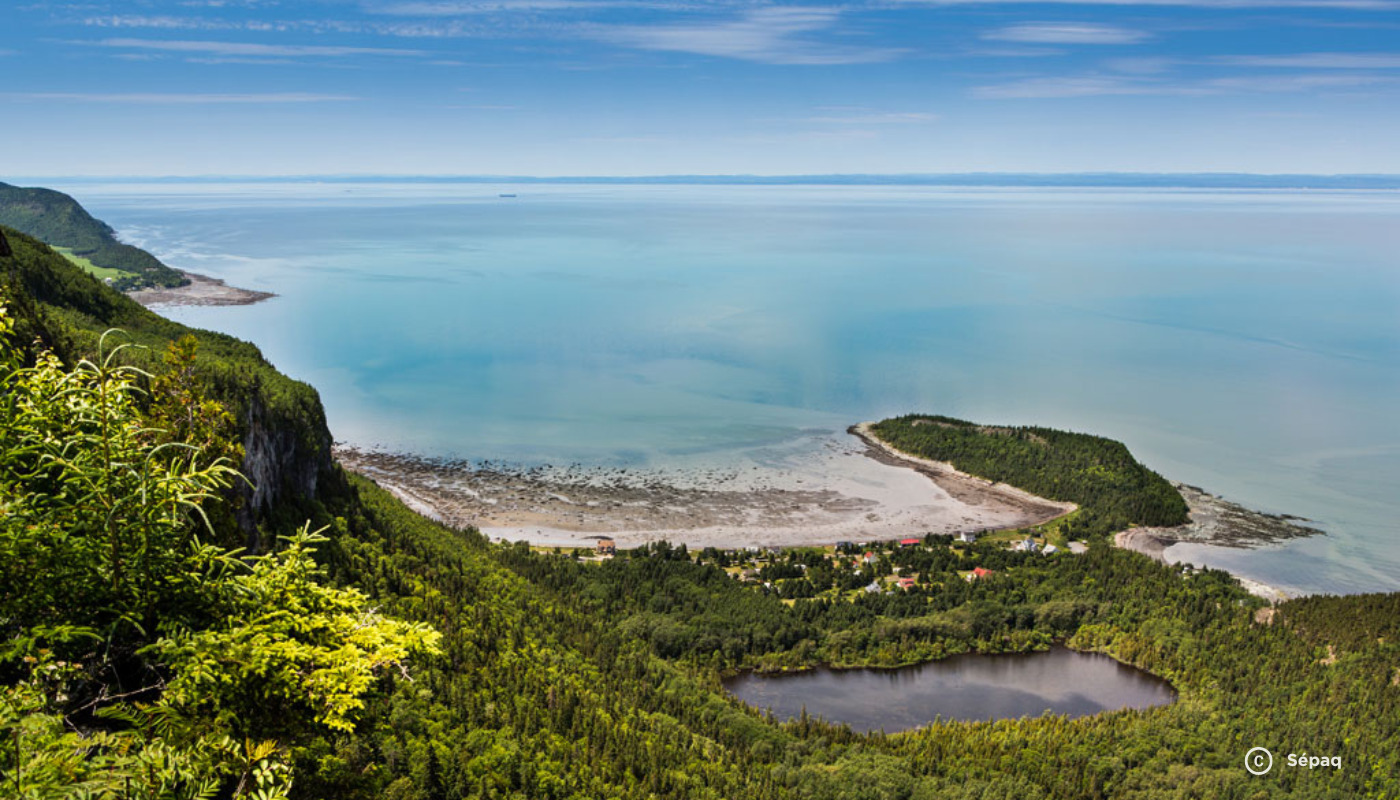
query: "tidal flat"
857, 492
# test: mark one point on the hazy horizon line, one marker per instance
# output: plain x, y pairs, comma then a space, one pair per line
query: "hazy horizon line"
1087, 179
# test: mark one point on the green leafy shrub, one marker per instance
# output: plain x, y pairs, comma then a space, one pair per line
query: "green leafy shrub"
138, 659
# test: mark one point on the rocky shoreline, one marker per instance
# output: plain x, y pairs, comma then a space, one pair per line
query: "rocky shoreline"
576, 505
202, 290
1221, 523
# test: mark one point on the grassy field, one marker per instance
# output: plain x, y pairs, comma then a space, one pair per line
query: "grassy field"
101, 272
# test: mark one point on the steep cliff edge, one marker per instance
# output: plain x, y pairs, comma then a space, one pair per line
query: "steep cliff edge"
286, 443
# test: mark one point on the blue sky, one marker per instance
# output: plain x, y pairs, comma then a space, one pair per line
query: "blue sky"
638, 87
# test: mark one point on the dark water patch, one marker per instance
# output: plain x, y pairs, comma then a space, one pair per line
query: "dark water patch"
968, 687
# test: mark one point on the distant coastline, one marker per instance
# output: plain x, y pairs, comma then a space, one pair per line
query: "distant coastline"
1009, 180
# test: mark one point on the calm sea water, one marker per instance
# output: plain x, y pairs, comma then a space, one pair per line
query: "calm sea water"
966, 687
1246, 342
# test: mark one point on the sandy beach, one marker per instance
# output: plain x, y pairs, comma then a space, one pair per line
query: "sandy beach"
202, 290
861, 491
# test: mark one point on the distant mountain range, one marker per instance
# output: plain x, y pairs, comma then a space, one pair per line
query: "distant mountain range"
61, 222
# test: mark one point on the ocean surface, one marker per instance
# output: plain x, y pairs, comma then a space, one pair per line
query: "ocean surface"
1247, 342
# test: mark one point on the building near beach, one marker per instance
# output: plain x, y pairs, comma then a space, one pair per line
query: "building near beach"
607, 547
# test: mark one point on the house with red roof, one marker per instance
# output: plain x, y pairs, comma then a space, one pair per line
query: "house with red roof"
906, 583
979, 573
910, 542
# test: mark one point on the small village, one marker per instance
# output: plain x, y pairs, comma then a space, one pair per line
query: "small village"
850, 569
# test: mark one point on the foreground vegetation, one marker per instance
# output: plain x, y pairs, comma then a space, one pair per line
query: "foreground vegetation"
136, 658
137, 643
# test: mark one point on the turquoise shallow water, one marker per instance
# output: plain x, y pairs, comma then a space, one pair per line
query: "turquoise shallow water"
1246, 342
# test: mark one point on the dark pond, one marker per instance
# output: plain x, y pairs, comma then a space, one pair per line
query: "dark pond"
965, 687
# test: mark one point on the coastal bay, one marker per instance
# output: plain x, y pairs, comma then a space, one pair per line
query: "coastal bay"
576, 506
861, 491
1239, 341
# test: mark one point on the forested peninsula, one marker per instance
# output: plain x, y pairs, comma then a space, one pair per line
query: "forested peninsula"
263, 624
1112, 489
58, 219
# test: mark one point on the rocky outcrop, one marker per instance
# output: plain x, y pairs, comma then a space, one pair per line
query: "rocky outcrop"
287, 460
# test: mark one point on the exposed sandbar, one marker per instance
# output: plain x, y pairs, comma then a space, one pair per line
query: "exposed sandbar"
202, 290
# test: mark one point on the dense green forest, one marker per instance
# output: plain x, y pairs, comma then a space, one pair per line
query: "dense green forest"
1112, 489
59, 220
144, 654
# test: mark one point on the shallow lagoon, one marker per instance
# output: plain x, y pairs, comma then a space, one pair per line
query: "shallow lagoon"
968, 687
1246, 342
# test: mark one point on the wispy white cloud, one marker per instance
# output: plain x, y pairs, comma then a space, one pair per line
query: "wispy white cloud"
1140, 66
1065, 33
231, 60
1012, 51
1102, 85
463, 8
157, 98
1361, 5
770, 35
247, 49
875, 118
822, 136
1068, 86
162, 22
1317, 61
1302, 82
624, 139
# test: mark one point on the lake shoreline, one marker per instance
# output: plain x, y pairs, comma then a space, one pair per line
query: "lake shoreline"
967, 687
